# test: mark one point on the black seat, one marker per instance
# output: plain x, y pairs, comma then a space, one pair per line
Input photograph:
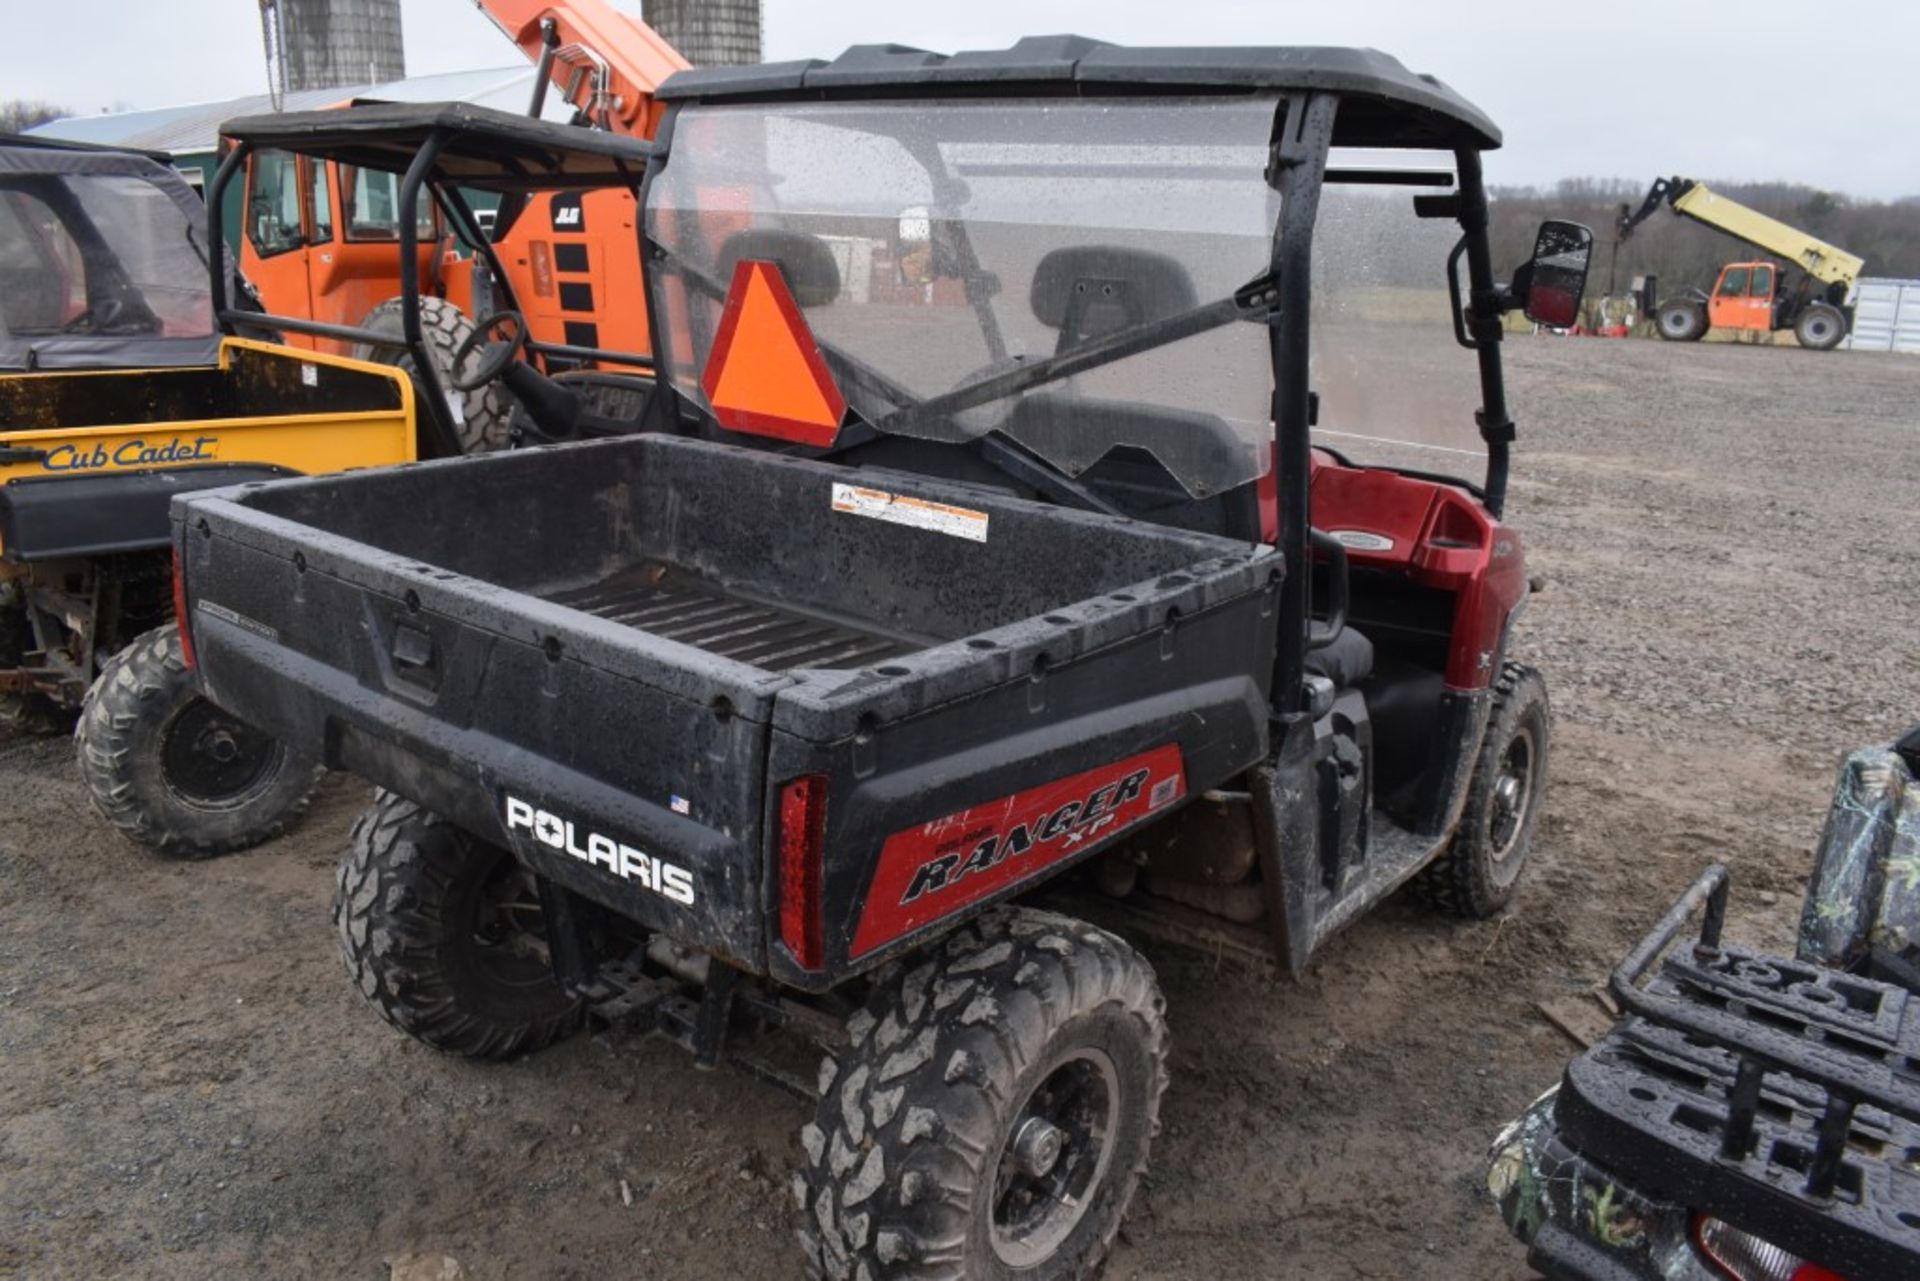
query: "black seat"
1346, 660
1088, 291
806, 262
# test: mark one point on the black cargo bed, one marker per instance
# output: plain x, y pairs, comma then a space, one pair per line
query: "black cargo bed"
643, 640
671, 603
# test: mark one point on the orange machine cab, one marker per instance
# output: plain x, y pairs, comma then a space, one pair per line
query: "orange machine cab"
1743, 297
320, 242
574, 262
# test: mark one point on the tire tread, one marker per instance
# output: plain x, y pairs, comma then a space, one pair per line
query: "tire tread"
486, 414
987, 999
401, 860
121, 721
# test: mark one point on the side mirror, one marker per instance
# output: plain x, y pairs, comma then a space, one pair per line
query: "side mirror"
913, 246
1553, 280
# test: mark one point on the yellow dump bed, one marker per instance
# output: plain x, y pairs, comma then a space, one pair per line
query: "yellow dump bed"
142, 435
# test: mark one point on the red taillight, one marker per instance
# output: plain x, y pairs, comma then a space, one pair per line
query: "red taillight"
180, 612
803, 825
1746, 1257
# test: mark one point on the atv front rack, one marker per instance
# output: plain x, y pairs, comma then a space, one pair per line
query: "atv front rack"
1758, 1089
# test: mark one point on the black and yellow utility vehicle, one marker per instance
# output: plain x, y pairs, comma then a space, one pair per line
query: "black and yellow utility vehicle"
977, 540
121, 387
118, 427
118, 390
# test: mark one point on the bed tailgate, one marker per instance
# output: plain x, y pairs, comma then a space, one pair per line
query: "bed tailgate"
624, 766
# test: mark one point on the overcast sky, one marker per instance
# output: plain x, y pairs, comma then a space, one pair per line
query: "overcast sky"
1813, 91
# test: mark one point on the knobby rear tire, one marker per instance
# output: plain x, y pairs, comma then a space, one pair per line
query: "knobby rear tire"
416, 906
947, 1061
1820, 327
140, 772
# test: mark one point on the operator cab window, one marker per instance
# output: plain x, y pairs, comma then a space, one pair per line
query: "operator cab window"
1735, 284
1762, 282
273, 204
372, 200
322, 206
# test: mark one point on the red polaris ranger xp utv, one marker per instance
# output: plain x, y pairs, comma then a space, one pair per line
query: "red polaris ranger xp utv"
975, 538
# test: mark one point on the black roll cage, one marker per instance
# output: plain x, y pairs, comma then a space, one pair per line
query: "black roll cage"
1302, 138
423, 172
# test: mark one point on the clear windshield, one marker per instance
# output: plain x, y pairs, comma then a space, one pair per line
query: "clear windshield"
98, 256
1395, 388
970, 239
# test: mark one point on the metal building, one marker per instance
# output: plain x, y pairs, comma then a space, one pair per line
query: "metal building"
1886, 316
708, 33
329, 43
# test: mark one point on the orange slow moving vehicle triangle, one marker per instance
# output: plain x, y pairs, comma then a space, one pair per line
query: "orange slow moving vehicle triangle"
765, 374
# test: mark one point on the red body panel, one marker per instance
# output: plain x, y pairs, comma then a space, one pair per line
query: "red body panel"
1434, 534
936, 868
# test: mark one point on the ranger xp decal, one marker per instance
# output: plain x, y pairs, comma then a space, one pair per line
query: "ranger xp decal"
939, 867
604, 852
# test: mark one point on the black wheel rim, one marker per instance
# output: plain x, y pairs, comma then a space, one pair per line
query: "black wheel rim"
212, 760
1513, 789
508, 929
1054, 1157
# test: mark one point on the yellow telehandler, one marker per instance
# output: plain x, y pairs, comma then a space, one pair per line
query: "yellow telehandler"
1753, 296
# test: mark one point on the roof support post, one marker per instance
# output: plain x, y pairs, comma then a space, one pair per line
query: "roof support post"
439, 407
1484, 304
234, 162
1296, 171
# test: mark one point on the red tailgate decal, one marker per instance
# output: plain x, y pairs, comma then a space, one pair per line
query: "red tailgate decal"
939, 867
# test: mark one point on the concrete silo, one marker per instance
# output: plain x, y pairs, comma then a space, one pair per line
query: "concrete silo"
708, 33
329, 43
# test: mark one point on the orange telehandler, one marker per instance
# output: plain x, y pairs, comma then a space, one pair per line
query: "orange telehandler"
320, 238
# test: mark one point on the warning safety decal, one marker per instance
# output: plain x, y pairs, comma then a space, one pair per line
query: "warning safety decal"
939, 867
917, 513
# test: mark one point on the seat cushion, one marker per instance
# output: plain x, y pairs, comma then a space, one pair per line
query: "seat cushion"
1346, 660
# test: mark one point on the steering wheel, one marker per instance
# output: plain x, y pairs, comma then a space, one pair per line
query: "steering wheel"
495, 359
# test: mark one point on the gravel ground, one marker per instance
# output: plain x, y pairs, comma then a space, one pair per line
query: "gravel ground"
189, 1088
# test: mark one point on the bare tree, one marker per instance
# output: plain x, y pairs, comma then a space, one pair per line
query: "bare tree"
17, 115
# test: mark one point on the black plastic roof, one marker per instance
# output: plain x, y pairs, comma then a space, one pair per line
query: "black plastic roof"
486, 149
46, 143
1383, 104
